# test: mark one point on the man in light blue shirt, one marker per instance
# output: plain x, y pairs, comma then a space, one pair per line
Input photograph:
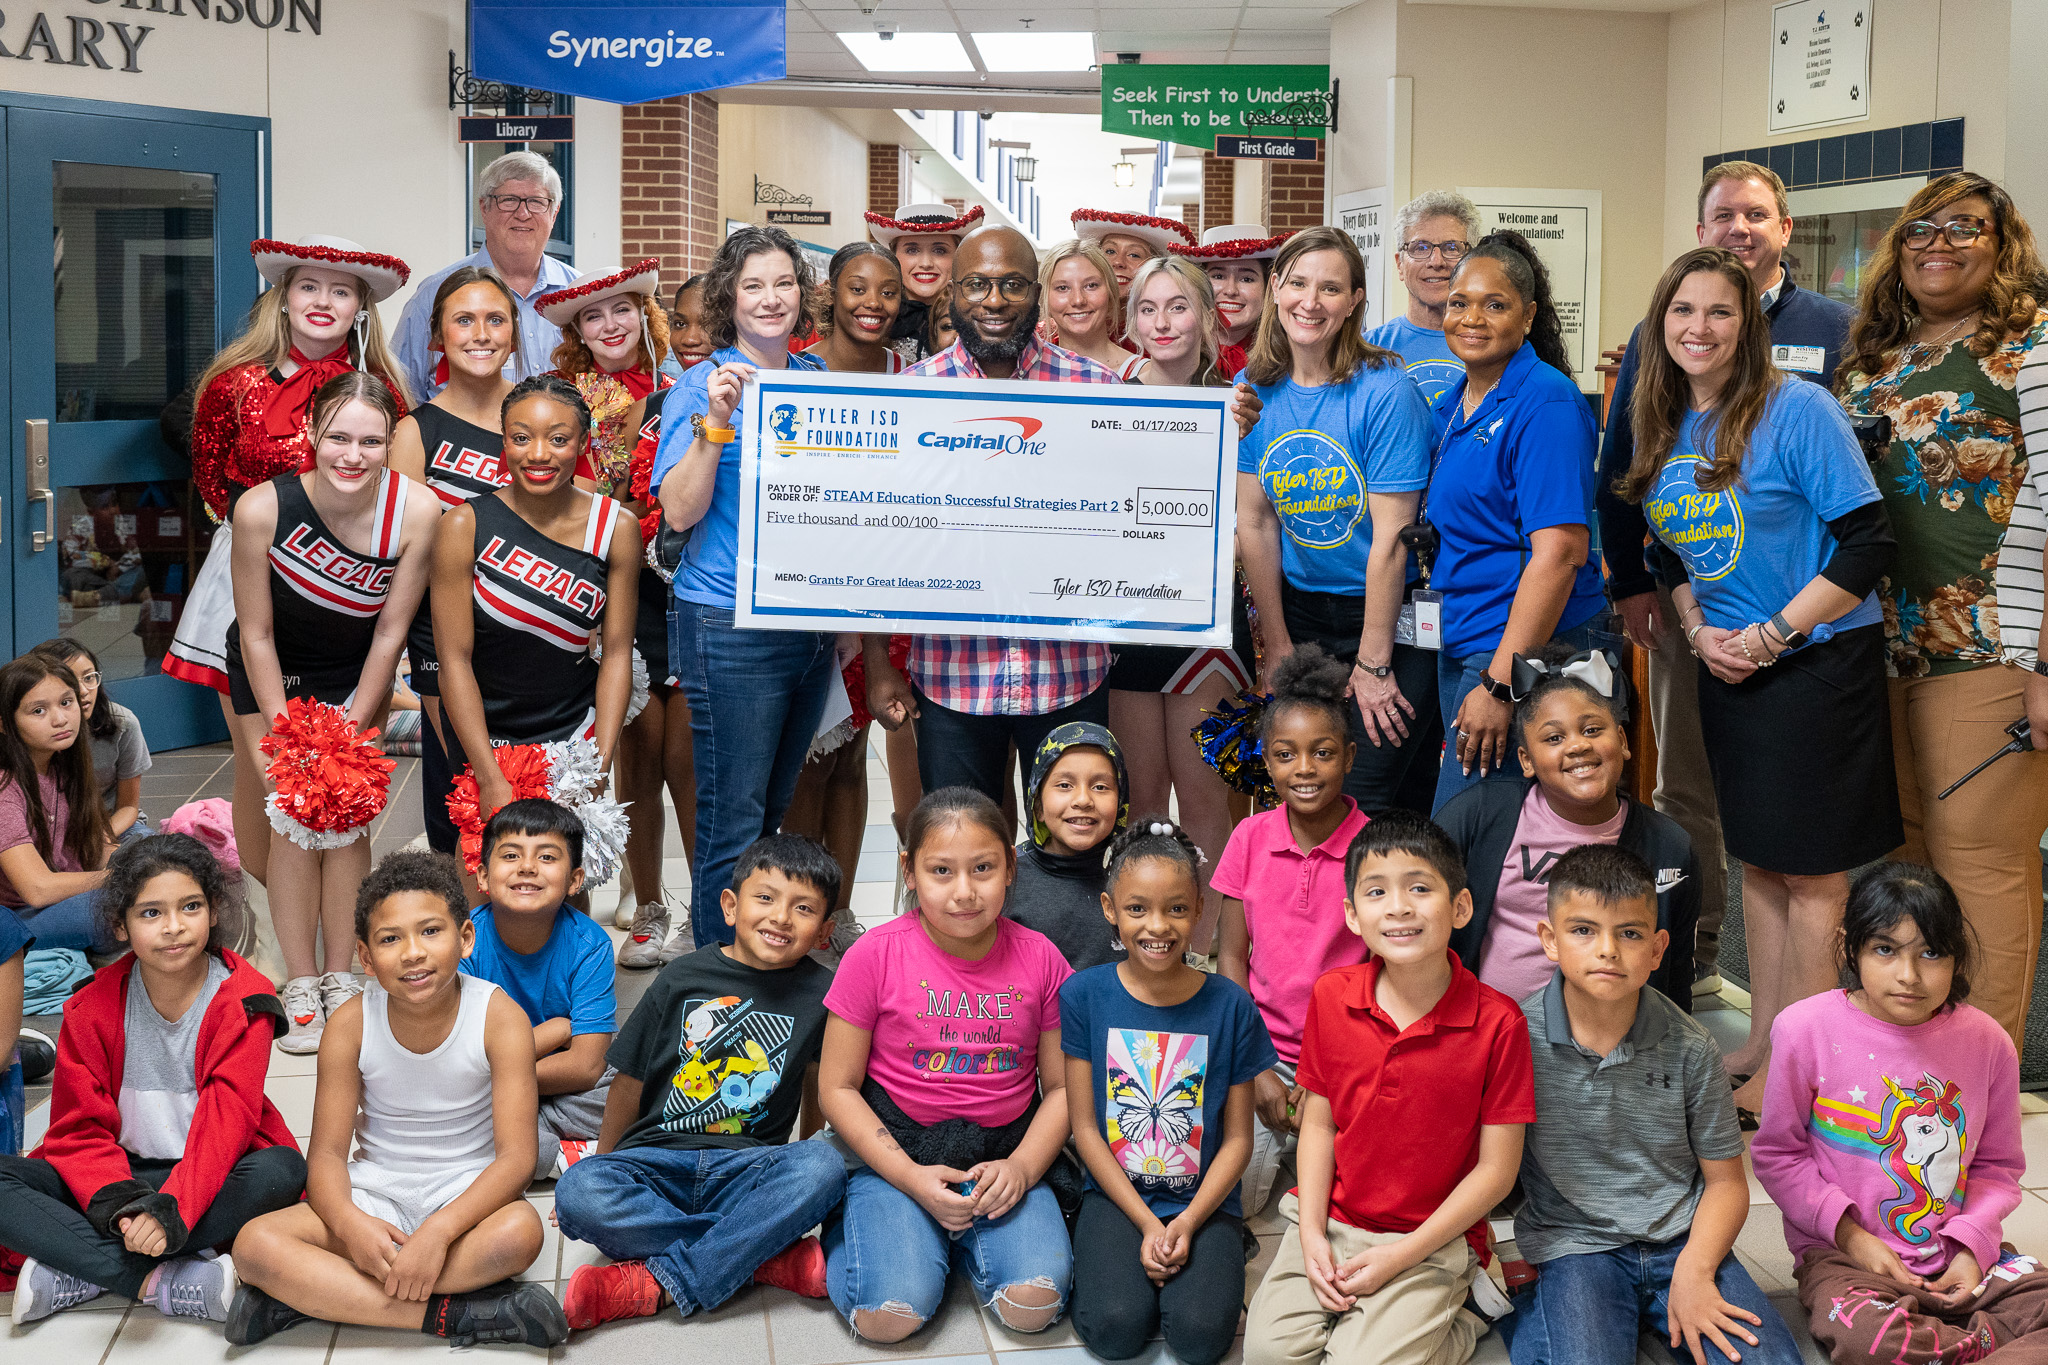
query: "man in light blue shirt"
1432, 233
518, 196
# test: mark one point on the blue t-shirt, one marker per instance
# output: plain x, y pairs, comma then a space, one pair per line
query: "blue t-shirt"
1161, 1076
709, 574
1522, 463
569, 978
1751, 547
1320, 452
1425, 351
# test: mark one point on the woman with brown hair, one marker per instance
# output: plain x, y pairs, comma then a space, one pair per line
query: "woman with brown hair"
1951, 308
614, 338
1771, 530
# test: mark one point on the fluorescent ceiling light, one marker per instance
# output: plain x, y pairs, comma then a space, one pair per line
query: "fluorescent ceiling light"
908, 51
1036, 51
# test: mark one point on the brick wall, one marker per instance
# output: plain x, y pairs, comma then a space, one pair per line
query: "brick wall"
1191, 214
668, 198
1219, 190
885, 177
1294, 195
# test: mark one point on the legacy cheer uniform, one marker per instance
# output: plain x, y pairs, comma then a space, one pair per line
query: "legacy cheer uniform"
463, 461
537, 602
324, 597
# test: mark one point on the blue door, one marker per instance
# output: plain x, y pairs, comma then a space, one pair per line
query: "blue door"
126, 260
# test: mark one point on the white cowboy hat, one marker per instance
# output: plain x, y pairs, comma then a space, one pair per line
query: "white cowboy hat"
381, 275
1234, 242
560, 305
938, 220
1092, 225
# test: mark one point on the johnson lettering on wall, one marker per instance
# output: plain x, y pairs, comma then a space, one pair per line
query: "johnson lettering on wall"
109, 43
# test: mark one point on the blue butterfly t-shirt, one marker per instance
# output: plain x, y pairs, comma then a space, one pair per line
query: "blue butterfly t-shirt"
1161, 1077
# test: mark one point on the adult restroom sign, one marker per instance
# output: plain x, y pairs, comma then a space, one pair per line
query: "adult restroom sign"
627, 51
1196, 105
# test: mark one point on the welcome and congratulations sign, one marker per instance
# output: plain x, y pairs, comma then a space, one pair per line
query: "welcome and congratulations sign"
627, 51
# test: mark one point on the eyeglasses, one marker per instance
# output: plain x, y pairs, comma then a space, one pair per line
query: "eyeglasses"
89, 679
1919, 234
1419, 250
513, 203
1014, 288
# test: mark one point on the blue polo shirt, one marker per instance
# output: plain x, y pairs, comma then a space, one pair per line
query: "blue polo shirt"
1431, 363
1320, 453
709, 574
1751, 547
1521, 463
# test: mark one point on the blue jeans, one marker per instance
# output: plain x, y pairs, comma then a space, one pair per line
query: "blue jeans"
69, 923
1599, 1301
755, 699
703, 1220
1454, 678
885, 1253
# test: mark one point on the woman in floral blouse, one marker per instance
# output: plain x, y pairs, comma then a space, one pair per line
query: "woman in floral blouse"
1951, 306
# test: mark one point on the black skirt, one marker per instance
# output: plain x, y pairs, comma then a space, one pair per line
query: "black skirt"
1801, 754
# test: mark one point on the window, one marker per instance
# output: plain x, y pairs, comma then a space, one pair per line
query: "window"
560, 155
1835, 232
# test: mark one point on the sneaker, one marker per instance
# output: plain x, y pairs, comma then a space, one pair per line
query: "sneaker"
41, 1291
336, 990
606, 1293
845, 929
192, 1287
570, 1151
255, 1316
622, 917
301, 997
649, 931
525, 1315
798, 1267
684, 940
1708, 982
38, 1056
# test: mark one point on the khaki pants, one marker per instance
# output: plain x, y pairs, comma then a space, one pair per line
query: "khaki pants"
1419, 1318
1685, 785
1986, 839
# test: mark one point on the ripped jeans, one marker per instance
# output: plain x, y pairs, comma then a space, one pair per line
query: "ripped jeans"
884, 1253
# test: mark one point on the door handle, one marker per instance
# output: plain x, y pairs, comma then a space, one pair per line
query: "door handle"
36, 431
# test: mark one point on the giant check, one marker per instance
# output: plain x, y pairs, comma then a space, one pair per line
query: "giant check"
981, 507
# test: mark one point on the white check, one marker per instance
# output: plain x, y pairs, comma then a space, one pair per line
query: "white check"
1102, 512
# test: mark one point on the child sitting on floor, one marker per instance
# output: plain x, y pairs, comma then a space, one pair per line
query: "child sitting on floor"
162, 1144
1076, 802
697, 1188
554, 962
431, 1071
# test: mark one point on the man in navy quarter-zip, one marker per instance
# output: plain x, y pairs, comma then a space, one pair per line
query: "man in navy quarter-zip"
1742, 208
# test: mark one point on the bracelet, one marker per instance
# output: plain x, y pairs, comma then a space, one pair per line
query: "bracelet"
1691, 634
1742, 638
704, 429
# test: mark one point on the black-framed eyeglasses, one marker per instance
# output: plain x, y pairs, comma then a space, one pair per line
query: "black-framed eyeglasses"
535, 204
1419, 250
1960, 231
1013, 288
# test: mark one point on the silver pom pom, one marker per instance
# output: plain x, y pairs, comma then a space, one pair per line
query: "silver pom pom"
312, 840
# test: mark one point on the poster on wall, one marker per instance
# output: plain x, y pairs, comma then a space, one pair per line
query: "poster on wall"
1564, 227
1194, 105
1361, 215
1820, 63
627, 51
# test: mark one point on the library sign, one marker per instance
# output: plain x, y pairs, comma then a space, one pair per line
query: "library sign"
112, 39
1197, 105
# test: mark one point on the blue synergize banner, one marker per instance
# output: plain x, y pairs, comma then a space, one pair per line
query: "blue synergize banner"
628, 52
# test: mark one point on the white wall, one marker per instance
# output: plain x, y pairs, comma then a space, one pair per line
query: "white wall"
805, 151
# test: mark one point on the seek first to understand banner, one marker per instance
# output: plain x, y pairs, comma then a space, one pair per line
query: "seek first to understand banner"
1099, 512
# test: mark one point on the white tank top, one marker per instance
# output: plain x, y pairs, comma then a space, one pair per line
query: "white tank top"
426, 1110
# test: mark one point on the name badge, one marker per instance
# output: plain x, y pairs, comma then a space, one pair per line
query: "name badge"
1421, 622
1804, 359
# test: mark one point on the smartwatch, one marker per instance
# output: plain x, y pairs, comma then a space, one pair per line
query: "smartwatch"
1498, 690
1793, 639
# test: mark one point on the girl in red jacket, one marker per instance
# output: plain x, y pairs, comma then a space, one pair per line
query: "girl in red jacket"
162, 1143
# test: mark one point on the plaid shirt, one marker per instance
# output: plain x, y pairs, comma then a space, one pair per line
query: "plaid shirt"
994, 675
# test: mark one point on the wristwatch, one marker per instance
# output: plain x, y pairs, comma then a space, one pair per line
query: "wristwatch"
1793, 639
1498, 690
1377, 670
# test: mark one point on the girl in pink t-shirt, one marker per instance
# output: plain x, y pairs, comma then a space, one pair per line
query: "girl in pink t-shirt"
944, 1025
1891, 1141
53, 829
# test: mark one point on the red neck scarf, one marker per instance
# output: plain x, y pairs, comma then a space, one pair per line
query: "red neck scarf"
286, 411
1230, 359
638, 382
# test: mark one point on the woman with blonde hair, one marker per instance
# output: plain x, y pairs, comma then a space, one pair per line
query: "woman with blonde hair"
1773, 536
318, 320
1951, 309
1085, 309
614, 338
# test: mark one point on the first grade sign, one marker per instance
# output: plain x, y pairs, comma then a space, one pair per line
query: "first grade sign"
1196, 105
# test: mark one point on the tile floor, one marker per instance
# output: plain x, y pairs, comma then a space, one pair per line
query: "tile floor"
762, 1326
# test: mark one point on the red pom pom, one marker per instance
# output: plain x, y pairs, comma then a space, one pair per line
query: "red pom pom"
525, 766
641, 471
329, 777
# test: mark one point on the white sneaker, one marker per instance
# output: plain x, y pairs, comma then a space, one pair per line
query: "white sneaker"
684, 940
622, 917
645, 936
845, 929
336, 990
301, 997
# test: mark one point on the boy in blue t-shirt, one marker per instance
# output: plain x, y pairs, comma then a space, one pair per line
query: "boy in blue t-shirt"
555, 962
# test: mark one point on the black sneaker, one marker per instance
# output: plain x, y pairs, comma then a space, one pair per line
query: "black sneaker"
255, 1316
525, 1315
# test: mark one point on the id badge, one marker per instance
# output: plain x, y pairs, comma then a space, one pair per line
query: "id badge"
1421, 622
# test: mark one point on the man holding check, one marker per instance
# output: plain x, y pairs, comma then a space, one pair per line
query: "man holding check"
971, 696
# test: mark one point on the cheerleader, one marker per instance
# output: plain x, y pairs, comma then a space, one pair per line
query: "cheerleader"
614, 338
1238, 259
922, 237
327, 572
451, 444
318, 320
524, 580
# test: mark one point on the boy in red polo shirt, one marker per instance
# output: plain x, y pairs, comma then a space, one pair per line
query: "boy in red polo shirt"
1418, 1085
